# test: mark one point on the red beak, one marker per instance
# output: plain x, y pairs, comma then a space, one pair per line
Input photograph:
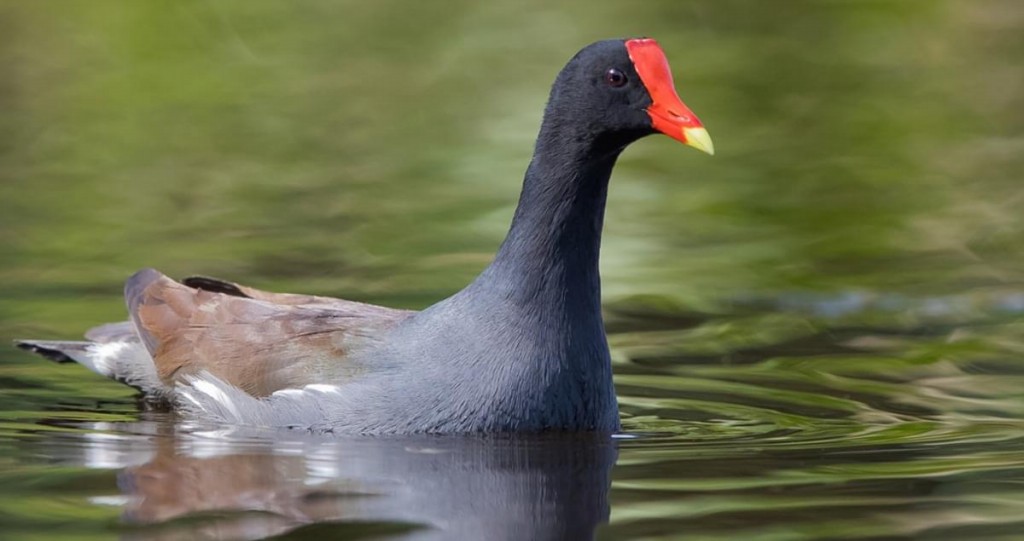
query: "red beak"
668, 113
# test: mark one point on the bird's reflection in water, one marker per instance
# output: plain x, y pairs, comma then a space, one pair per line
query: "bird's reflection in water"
206, 485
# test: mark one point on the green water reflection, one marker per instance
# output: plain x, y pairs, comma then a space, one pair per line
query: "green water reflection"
817, 334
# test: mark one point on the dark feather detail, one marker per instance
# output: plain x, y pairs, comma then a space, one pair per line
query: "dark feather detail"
214, 285
55, 351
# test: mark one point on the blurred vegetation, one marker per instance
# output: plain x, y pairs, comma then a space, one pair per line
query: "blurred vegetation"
375, 151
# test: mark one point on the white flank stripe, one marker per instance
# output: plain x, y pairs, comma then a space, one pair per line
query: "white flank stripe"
321, 388
218, 395
187, 394
295, 393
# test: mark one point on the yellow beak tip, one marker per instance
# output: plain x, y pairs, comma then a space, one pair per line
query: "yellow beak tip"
699, 139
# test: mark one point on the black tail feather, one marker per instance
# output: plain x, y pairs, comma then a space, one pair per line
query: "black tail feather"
55, 351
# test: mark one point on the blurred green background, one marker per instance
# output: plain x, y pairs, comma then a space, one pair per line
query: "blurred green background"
375, 150
847, 270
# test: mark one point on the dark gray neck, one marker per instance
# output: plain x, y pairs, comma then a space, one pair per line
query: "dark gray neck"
528, 332
550, 256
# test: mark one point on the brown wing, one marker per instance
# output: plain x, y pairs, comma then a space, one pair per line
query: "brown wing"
216, 285
260, 342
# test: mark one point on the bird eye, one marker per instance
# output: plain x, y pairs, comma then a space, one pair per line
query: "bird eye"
615, 77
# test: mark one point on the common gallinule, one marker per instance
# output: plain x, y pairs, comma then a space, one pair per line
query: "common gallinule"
522, 348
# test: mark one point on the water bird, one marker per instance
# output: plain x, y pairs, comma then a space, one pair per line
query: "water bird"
520, 349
